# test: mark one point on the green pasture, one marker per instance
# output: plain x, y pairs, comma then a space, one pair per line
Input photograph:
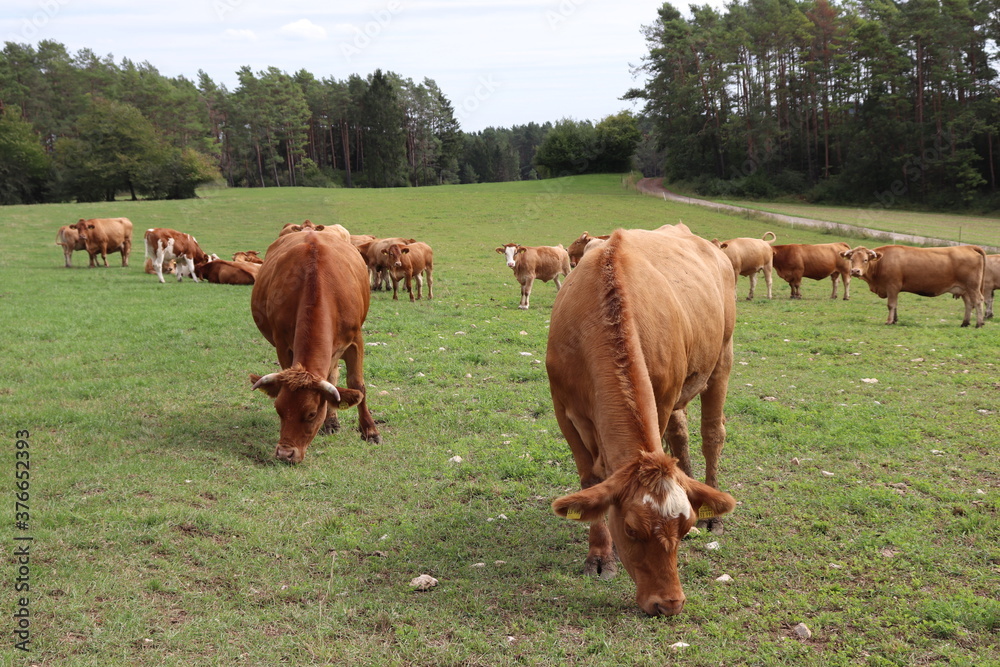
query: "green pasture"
864, 458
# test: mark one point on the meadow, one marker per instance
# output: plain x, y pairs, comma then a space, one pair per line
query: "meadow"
864, 459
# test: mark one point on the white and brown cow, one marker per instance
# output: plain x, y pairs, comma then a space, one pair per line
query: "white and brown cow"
642, 326
991, 282
106, 235
69, 238
529, 263
310, 301
750, 256
409, 262
796, 261
891, 269
165, 244
580, 245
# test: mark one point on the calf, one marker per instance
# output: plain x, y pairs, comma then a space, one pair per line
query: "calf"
748, 256
164, 244
643, 326
104, 236
543, 262
409, 261
796, 261
891, 269
69, 238
579, 246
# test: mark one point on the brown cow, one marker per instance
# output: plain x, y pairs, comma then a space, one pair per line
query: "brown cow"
168, 267
409, 261
250, 256
378, 261
891, 269
542, 262
796, 261
991, 281
291, 228
748, 256
642, 326
104, 236
579, 246
227, 273
163, 244
310, 301
70, 240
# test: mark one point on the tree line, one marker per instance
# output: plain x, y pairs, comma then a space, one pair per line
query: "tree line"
872, 101
87, 128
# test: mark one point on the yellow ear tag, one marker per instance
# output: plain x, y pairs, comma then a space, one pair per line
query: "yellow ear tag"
705, 512
573, 513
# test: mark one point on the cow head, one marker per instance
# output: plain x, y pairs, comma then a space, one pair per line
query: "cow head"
301, 399
860, 258
395, 253
510, 251
82, 227
651, 505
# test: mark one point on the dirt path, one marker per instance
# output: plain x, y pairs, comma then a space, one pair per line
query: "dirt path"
654, 187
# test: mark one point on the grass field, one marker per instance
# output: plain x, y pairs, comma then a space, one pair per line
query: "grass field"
864, 459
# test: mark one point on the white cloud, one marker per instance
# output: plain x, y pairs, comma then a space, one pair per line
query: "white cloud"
305, 29
240, 35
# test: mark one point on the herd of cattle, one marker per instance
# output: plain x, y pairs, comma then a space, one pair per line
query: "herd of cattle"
625, 355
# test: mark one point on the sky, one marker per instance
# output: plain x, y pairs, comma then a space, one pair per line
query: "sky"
500, 62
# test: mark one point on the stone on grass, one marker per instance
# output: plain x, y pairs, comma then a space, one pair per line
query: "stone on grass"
424, 582
802, 631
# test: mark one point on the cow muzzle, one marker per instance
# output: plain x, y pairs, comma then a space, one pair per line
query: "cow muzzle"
855, 273
662, 606
289, 454
510, 264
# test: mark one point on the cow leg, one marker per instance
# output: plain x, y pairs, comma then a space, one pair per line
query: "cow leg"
354, 359
430, 284
409, 285
713, 427
975, 301
833, 279
104, 254
68, 253
989, 305
555, 279
767, 280
893, 300
420, 285
675, 440
753, 285
526, 293
846, 279
796, 288
158, 263
395, 287
126, 251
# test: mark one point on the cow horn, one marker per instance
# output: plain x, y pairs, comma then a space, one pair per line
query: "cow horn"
332, 394
270, 378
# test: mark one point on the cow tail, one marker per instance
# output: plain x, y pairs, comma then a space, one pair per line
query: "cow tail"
150, 251
774, 237
982, 272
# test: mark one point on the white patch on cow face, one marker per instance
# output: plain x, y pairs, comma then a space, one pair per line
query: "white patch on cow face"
675, 501
508, 252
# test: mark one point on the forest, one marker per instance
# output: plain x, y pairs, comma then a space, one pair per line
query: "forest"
857, 101
84, 127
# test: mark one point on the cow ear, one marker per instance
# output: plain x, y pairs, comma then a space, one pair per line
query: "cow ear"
723, 246
521, 249
266, 384
706, 501
385, 251
846, 254
409, 241
500, 250
587, 505
717, 242
404, 250
90, 226
320, 228
874, 255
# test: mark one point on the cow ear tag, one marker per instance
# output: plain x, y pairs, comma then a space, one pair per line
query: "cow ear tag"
574, 513
705, 512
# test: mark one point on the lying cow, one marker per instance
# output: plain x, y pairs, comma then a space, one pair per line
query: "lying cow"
796, 261
891, 269
748, 257
310, 301
529, 263
408, 262
165, 244
249, 256
991, 281
104, 236
70, 240
579, 246
643, 325
227, 273
168, 267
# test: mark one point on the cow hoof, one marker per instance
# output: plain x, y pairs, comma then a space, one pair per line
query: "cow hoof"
713, 526
374, 438
522, 308
600, 566
330, 426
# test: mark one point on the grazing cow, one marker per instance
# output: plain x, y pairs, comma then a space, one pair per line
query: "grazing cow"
250, 256
748, 256
991, 281
309, 301
104, 236
227, 273
579, 246
409, 261
542, 262
163, 244
642, 326
339, 230
796, 261
891, 269
70, 240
